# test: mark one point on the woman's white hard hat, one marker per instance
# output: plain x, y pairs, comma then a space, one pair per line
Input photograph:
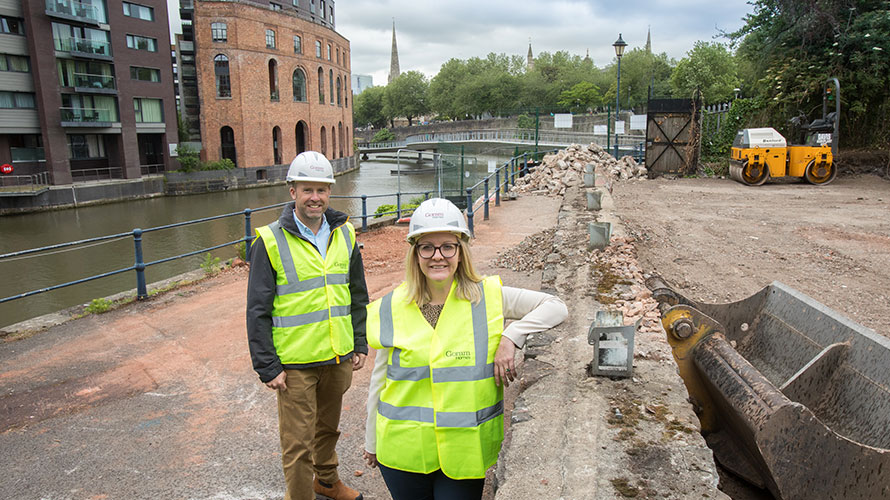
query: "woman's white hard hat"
437, 215
311, 166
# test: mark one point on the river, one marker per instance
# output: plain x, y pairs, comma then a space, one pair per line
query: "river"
32, 272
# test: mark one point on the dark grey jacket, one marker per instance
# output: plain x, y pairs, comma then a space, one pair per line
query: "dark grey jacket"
261, 294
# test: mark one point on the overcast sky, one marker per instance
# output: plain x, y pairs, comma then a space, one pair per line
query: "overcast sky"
430, 32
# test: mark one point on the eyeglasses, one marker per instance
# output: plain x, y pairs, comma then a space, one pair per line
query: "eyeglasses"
447, 250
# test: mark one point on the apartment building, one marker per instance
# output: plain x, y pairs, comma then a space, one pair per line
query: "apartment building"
268, 80
86, 89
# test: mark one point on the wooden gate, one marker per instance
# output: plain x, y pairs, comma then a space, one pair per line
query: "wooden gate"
673, 136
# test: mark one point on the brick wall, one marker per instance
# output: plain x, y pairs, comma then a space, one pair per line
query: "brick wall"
250, 111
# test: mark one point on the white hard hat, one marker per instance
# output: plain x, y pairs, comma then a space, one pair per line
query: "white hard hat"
310, 166
437, 215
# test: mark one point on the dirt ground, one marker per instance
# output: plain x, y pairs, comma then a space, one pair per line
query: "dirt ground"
719, 241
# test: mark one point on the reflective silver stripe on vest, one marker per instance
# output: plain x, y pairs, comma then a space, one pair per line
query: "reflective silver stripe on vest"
469, 418
395, 370
294, 285
481, 370
309, 318
413, 413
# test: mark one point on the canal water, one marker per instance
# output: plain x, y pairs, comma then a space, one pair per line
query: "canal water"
31, 272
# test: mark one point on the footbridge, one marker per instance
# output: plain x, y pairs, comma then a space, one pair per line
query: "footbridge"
627, 143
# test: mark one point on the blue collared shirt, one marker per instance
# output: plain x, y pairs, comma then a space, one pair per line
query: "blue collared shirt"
320, 240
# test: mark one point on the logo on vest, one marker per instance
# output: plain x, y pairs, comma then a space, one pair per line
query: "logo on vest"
458, 354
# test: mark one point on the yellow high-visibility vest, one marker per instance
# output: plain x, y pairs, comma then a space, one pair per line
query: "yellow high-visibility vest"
311, 318
440, 407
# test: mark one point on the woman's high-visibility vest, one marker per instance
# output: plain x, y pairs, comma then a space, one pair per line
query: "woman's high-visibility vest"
440, 407
311, 318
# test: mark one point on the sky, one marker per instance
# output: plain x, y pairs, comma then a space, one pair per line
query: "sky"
430, 32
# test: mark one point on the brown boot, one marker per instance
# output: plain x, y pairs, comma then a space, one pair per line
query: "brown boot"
336, 491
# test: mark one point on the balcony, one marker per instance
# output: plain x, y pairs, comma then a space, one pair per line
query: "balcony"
75, 11
87, 117
97, 84
93, 49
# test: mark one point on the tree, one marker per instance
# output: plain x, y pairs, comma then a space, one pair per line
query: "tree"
407, 96
581, 98
367, 108
443, 88
709, 67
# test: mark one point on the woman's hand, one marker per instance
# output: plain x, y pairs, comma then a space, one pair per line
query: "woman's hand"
504, 370
370, 458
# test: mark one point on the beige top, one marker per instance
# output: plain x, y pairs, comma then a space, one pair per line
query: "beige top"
532, 311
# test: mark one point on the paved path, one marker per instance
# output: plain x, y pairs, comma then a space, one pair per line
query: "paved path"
158, 399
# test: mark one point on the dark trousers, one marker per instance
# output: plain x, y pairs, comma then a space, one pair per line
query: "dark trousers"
433, 486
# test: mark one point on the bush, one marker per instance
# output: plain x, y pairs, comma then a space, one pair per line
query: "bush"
407, 209
210, 264
383, 135
98, 306
224, 164
188, 158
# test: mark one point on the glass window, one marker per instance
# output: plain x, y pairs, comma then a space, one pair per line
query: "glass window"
9, 62
219, 32
145, 74
299, 85
85, 146
148, 110
312, 6
12, 25
270, 39
331, 85
86, 74
332, 16
89, 108
221, 70
275, 6
13, 100
318, 49
139, 11
298, 45
320, 86
329, 52
142, 43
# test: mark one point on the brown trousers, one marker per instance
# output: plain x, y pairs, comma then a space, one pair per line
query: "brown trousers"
308, 422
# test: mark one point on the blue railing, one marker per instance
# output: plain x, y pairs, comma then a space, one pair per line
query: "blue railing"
504, 176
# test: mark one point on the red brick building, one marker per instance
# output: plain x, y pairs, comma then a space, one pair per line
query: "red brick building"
272, 81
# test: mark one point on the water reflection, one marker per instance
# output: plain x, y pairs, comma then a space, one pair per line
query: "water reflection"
20, 232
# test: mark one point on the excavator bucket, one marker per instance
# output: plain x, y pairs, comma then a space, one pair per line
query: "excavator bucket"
791, 395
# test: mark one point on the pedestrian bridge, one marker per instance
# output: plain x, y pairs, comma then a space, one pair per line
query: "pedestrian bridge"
628, 143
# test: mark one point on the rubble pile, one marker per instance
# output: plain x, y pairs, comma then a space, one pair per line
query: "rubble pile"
632, 297
529, 255
566, 168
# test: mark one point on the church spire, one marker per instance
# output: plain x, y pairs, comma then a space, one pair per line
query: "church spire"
649, 40
394, 57
531, 59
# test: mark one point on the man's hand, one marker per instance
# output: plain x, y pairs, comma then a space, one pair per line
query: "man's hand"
358, 361
277, 383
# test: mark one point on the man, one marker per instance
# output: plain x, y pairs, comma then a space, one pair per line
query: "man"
306, 298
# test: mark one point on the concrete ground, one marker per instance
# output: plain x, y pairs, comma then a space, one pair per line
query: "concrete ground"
158, 399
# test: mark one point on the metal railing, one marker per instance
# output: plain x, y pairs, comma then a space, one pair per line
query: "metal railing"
504, 177
24, 183
83, 46
95, 174
74, 8
93, 81
152, 169
87, 115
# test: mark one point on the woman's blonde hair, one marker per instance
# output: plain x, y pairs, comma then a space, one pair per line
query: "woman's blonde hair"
466, 276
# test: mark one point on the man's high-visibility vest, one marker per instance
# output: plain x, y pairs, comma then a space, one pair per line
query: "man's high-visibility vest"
440, 407
311, 319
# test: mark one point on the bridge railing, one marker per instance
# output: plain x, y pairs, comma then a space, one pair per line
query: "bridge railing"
381, 145
527, 136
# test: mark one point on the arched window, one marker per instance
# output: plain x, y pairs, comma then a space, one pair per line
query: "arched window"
276, 141
273, 79
333, 142
221, 70
340, 133
324, 141
299, 85
349, 150
338, 91
227, 144
300, 135
320, 86
331, 85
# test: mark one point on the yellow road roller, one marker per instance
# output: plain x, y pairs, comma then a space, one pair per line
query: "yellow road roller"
760, 154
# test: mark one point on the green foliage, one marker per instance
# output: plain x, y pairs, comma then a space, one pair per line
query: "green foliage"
737, 118
367, 108
210, 265
581, 98
708, 67
791, 48
407, 209
223, 164
525, 121
188, 158
241, 250
383, 135
406, 96
98, 306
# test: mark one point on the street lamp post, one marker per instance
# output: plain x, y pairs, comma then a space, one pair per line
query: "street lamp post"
619, 45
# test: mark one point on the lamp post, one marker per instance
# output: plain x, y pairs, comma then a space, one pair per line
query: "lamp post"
619, 45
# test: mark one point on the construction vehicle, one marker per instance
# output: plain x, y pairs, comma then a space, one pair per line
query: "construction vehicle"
760, 154
791, 396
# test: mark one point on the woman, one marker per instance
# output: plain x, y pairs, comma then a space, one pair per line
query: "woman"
436, 399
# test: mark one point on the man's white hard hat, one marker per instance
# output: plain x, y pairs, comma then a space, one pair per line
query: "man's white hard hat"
311, 166
437, 215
